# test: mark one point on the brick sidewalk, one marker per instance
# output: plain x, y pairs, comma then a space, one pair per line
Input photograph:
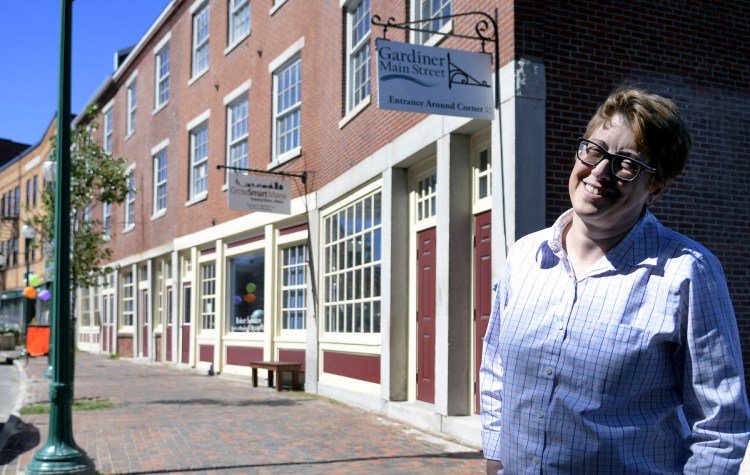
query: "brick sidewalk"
176, 421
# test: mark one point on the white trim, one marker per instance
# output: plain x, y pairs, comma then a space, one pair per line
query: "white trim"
132, 78
196, 5
196, 77
241, 89
197, 199
158, 147
292, 50
162, 42
198, 120
108, 105
355, 112
276, 5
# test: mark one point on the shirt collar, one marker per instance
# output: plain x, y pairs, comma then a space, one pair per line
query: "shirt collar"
637, 247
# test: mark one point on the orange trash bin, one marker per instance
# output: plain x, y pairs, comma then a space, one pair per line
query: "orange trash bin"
37, 340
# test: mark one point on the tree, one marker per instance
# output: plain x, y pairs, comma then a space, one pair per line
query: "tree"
95, 177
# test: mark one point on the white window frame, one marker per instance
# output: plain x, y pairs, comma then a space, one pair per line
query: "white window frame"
161, 78
198, 163
291, 58
107, 220
336, 281
108, 129
200, 12
132, 105
289, 289
354, 18
237, 134
130, 201
275, 7
208, 296
421, 10
159, 154
240, 13
481, 144
128, 301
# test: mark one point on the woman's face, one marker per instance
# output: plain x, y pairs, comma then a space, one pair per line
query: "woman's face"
601, 201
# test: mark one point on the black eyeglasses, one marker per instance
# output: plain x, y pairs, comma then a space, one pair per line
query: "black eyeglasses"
624, 168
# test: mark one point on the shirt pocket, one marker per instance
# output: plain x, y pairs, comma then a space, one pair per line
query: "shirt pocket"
616, 361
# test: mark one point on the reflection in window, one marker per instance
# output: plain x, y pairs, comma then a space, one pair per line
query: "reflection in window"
208, 296
246, 284
352, 263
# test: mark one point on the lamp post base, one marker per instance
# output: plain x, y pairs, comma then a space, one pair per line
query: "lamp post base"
62, 459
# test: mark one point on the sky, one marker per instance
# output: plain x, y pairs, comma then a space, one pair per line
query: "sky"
30, 50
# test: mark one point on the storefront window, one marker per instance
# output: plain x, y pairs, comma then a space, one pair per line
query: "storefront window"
246, 284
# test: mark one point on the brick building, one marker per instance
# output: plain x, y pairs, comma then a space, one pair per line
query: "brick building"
407, 215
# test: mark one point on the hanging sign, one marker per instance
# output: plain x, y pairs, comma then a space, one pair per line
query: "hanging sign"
259, 193
434, 80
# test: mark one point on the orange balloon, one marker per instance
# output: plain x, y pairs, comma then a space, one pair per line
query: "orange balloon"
29, 292
250, 298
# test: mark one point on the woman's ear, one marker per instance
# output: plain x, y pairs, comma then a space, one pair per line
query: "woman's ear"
656, 189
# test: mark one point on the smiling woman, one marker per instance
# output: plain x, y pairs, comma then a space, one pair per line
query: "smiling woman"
608, 341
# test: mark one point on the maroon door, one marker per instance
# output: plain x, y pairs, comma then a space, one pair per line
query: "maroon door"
482, 288
185, 330
426, 315
144, 319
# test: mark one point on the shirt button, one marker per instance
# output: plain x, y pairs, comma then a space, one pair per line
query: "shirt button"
540, 414
548, 371
560, 326
535, 461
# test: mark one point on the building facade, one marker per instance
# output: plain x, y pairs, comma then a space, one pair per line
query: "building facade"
379, 281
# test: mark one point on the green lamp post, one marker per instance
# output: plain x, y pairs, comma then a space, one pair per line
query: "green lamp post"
61, 454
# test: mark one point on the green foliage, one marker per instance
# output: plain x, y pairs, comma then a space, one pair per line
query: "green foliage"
95, 177
86, 404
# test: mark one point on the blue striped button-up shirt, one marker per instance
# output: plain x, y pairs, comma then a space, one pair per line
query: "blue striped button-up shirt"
633, 367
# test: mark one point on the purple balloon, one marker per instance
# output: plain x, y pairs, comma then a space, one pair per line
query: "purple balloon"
44, 295
237, 300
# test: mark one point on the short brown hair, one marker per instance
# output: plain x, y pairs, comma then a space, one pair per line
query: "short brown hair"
659, 129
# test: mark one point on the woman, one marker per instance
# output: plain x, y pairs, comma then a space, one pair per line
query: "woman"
613, 345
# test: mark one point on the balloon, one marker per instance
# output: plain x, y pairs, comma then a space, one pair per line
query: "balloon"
29, 292
44, 295
35, 280
237, 300
250, 288
250, 298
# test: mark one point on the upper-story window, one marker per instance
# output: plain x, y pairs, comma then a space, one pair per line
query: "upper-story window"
160, 181
200, 39
237, 133
239, 20
107, 220
132, 106
358, 53
108, 129
287, 110
130, 202
161, 94
433, 15
199, 160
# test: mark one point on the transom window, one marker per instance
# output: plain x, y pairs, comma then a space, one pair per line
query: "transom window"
200, 40
208, 296
237, 133
483, 174
239, 20
287, 111
293, 287
427, 197
358, 49
199, 160
352, 263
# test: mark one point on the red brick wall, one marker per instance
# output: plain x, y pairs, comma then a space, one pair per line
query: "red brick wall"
125, 346
693, 51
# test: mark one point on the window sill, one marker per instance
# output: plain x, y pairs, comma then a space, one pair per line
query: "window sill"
234, 45
355, 111
130, 134
158, 108
278, 4
196, 199
285, 157
158, 214
197, 76
128, 229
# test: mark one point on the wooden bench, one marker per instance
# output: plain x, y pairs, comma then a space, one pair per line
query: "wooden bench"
278, 367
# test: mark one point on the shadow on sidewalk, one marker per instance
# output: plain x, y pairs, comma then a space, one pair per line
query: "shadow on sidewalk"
16, 438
